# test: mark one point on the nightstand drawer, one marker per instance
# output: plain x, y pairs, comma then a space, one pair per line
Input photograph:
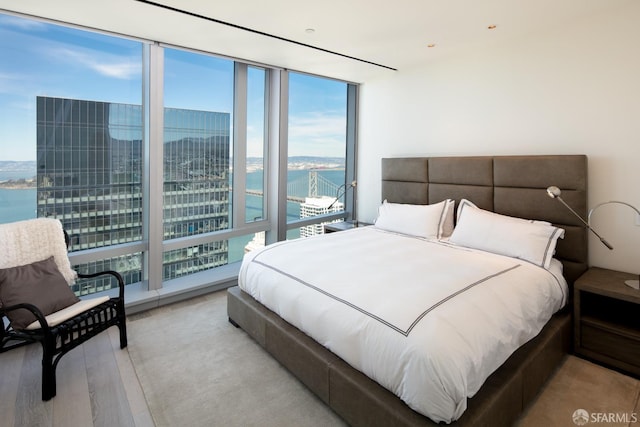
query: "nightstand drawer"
604, 340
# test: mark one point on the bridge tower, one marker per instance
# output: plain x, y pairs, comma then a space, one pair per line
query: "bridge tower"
313, 183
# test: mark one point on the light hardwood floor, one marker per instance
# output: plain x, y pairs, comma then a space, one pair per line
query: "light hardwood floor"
96, 386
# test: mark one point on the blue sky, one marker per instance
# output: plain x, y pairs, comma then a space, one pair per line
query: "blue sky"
40, 59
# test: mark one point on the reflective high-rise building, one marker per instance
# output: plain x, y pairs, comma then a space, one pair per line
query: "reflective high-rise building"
90, 172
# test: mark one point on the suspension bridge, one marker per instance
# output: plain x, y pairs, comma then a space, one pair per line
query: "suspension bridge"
315, 185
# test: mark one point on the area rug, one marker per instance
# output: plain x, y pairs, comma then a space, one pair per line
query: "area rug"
196, 369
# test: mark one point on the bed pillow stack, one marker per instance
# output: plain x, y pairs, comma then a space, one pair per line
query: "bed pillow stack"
428, 221
529, 240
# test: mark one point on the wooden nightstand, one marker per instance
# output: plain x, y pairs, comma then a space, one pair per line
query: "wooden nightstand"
607, 319
342, 225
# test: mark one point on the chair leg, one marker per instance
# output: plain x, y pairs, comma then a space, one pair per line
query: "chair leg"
122, 327
48, 371
122, 324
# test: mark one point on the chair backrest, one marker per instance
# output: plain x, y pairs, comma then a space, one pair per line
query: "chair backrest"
25, 242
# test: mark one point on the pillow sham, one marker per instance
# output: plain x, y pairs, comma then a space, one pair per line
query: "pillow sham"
529, 240
429, 221
39, 283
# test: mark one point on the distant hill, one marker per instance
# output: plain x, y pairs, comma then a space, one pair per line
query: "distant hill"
308, 159
14, 170
13, 165
312, 159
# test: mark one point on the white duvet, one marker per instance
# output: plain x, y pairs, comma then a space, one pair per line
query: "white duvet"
427, 320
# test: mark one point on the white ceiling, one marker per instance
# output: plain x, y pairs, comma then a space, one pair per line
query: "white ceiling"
393, 34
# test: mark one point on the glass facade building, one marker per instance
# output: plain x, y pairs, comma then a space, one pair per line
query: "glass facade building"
197, 191
90, 177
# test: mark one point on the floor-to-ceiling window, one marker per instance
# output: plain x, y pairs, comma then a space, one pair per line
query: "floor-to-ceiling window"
77, 113
256, 144
70, 136
250, 156
197, 155
317, 150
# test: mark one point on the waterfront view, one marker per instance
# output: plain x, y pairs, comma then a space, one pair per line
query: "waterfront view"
18, 196
17, 191
72, 138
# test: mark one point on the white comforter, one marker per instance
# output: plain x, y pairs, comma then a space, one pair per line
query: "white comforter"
427, 320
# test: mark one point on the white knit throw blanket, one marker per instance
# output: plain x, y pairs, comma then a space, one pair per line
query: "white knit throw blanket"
25, 242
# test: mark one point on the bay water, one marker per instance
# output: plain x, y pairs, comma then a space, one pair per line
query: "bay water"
20, 204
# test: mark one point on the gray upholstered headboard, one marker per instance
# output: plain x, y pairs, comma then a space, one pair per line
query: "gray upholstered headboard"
509, 185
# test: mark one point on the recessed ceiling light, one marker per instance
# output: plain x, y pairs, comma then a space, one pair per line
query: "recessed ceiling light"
309, 31
492, 27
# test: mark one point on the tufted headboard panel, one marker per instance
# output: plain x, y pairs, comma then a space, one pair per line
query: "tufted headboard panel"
508, 185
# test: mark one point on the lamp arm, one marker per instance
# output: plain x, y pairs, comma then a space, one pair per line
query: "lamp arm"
635, 283
339, 194
572, 211
604, 242
610, 201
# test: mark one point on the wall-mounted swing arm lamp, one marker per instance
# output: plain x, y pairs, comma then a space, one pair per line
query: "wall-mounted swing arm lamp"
554, 192
342, 190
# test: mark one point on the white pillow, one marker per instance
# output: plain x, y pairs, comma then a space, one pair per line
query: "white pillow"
533, 241
429, 221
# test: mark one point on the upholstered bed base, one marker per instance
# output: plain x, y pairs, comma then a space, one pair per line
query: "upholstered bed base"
509, 185
362, 402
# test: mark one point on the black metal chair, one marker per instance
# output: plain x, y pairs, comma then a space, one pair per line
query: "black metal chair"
57, 340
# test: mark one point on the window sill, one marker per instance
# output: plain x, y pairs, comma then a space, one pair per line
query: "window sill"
138, 298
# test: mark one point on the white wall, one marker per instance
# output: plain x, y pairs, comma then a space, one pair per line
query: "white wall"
569, 90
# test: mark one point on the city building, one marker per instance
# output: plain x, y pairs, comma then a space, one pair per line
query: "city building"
89, 175
314, 206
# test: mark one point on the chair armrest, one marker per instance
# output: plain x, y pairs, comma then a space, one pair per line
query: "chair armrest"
110, 272
33, 309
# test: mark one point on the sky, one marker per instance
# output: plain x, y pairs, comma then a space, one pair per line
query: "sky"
41, 59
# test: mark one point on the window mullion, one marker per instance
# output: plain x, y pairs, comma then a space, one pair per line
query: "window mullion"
154, 155
277, 171
351, 155
239, 145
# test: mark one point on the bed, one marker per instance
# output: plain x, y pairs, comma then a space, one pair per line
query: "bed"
507, 185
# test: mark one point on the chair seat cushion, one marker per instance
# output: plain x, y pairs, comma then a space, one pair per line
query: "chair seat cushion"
39, 283
65, 314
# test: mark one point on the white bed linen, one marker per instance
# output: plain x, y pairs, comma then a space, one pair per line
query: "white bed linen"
427, 320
